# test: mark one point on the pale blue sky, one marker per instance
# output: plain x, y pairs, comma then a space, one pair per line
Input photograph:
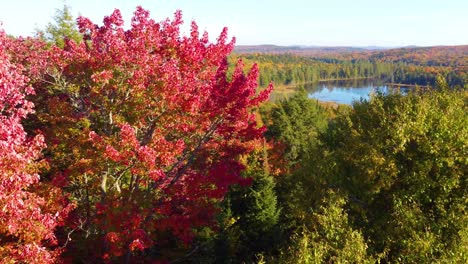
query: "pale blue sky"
287, 22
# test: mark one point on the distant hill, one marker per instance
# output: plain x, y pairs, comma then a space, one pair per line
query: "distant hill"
456, 56
304, 50
429, 56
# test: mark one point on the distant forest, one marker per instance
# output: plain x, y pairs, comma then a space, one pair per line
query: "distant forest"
415, 66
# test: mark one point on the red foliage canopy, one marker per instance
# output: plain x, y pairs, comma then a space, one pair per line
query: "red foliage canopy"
27, 219
144, 128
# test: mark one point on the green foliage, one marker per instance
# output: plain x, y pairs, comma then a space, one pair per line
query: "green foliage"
441, 83
402, 162
284, 69
296, 122
292, 70
327, 237
250, 216
64, 27
386, 181
312, 217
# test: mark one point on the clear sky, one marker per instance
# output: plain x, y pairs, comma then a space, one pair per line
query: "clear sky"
285, 22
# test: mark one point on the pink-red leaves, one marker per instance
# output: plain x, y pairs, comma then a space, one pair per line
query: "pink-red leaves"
26, 224
147, 126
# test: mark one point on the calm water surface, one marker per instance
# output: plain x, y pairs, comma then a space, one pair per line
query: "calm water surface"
345, 92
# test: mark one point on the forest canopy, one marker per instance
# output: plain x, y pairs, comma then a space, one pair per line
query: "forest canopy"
141, 144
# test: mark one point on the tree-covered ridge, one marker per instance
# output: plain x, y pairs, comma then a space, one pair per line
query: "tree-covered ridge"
455, 56
288, 69
296, 50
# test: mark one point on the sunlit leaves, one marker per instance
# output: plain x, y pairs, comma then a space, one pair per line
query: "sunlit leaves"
143, 128
27, 220
401, 160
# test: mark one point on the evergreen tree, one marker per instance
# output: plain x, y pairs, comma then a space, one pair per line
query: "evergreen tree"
296, 122
250, 216
64, 27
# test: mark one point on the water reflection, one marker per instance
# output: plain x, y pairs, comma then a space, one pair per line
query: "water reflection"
347, 91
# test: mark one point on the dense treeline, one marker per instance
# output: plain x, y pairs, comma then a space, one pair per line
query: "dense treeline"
453, 56
387, 181
287, 69
383, 181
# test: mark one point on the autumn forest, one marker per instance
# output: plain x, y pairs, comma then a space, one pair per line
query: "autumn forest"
145, 144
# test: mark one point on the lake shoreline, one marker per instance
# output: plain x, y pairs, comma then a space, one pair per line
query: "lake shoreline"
347, 91
328, 104
341, 91
295, 85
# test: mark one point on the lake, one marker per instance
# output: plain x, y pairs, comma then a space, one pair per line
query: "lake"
346, 91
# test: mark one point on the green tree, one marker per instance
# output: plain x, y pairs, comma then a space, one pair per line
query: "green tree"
326, 237
296, 122
402, 163
64, 27
313, 223
249, 225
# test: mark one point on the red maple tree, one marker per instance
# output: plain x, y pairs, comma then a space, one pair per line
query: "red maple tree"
144, 129
27, 218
